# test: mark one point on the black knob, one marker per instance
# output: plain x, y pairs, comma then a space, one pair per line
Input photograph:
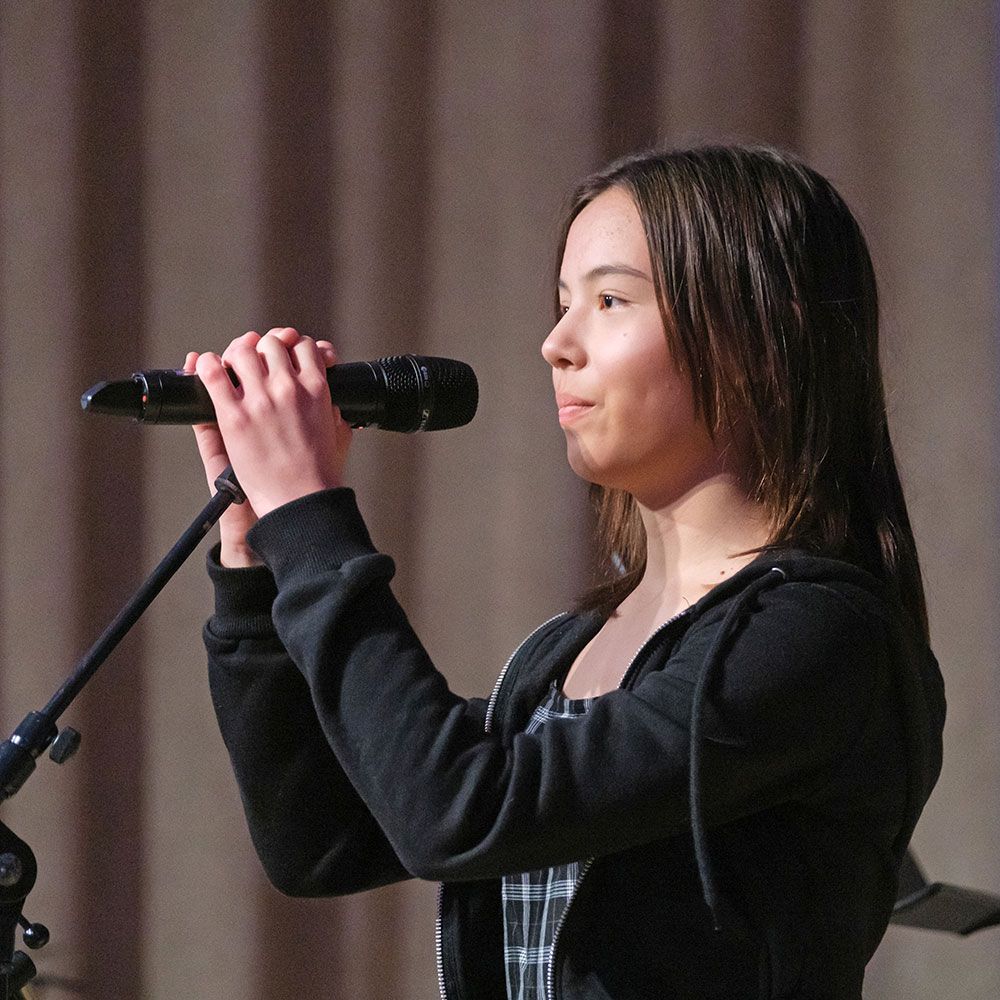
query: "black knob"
65, 745
35, 935
11, 869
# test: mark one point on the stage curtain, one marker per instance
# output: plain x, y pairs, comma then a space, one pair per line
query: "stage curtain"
390, 175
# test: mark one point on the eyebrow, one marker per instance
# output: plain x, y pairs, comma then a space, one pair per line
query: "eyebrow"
602, 270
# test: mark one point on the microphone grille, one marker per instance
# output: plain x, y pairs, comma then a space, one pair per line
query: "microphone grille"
427, 394
455, 393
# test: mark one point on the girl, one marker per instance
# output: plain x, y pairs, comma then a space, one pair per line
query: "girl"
718, 815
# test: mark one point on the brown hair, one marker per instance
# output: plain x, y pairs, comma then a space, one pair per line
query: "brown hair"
770, 305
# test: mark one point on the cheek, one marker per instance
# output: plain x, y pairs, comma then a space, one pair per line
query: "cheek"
645, 425
638, 364
649, 398
652, 422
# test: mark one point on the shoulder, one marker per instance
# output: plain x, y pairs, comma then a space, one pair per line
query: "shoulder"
811, 645
801, 602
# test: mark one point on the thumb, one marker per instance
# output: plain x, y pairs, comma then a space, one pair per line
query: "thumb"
210, 444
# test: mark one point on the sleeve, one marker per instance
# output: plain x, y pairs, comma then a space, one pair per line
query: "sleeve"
457, 804
310, 828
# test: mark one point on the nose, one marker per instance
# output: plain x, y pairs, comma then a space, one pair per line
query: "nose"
561, 348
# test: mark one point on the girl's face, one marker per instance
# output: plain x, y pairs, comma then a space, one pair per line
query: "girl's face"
627, 412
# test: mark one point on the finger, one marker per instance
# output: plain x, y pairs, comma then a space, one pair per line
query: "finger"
241, 355
277, 353
190, 360
328, 352
285, 335
212, 372
308, 357
211, 449
241, 345
288, 335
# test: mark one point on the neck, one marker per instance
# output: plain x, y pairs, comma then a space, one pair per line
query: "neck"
698, 540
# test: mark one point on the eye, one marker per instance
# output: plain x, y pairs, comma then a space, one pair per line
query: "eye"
563, 309
609, 301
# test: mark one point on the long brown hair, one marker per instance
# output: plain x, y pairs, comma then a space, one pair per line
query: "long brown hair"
770, 307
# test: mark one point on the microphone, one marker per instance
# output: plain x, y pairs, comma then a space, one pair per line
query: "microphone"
402, 393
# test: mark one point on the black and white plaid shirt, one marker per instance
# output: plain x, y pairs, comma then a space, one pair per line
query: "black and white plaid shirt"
533, 902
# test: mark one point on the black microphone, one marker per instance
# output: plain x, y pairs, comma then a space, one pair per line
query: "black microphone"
402, 393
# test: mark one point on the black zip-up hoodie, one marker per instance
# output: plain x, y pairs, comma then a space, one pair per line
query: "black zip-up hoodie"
740, 805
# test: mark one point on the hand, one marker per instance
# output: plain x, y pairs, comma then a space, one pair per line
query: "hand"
278, 428
211, 438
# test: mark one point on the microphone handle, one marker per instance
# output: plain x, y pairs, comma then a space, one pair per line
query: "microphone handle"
177, 397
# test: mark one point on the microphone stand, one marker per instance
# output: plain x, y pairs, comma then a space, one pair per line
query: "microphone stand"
38, 732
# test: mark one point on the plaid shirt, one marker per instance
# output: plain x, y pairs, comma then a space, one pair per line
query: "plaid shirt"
534, 902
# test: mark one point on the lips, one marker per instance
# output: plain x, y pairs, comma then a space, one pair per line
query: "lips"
571, 408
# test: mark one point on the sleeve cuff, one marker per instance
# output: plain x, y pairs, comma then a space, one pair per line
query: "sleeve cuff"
243, 599
315, 533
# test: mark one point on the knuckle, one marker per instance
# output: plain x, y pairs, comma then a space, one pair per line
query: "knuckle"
256, 407
239, 347
285, 391
208, 367
316, 385
242, 345
232, 418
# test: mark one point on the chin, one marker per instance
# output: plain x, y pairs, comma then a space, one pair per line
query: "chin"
587, 469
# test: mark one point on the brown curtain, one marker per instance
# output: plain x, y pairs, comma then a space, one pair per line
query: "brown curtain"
390, 174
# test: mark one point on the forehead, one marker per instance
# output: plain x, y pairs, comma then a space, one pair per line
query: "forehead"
607, 230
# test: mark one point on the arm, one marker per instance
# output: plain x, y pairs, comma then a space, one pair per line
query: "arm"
455, 803
312, 831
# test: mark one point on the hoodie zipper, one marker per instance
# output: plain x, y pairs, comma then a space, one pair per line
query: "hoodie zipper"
437, 943
487, 727
588, 864
495, 696
585, 867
